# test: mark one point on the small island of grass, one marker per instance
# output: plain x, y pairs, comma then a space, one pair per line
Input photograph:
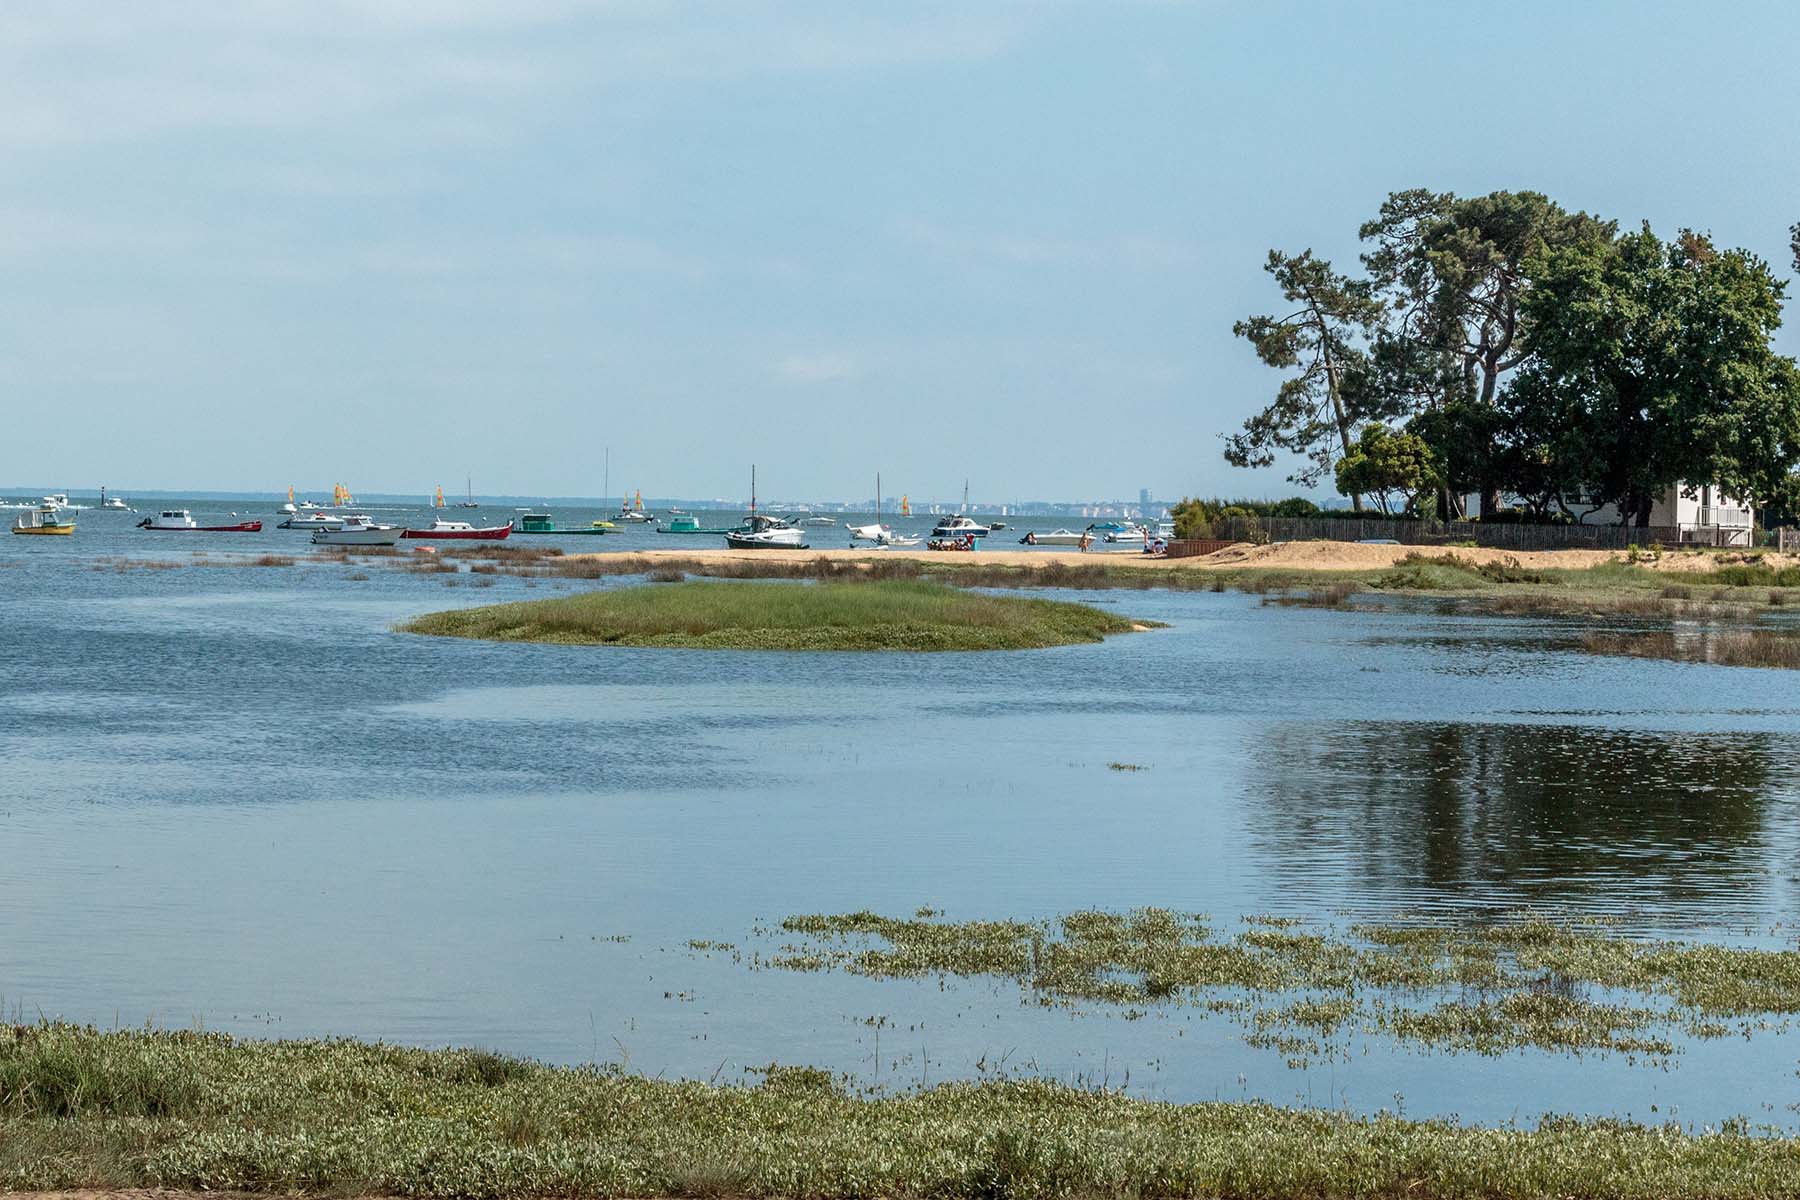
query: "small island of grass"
878, 615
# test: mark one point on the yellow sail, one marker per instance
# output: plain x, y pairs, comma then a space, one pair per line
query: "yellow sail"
640, 501
905, 507
290, 493
439, 502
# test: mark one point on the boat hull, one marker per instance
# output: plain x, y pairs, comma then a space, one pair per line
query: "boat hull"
497, 533
708, 532
749, 541
240, 527
563, 532
356, 537
47, 530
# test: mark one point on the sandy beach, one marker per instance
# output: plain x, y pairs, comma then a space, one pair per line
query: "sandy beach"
1286, 556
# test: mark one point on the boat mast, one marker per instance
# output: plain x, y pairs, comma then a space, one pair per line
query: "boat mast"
753, 489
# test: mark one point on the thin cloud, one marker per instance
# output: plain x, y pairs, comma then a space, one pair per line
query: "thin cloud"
817, 368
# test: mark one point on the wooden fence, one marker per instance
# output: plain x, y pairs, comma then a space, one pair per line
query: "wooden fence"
1194, 547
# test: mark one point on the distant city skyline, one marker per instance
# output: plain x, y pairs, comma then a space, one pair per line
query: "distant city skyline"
254, 245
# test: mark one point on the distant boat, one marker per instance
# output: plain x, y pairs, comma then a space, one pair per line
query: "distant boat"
112, 503
179, 520
443, 530
45, 520
286, 508
1132, 535
1057, 537
634, 516
689, 523
437, 501
878, 533
958, 526
358, 530
468, 500
536, 522
312, 520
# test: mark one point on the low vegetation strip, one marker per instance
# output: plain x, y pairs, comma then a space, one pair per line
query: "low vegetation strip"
1305, 991
880, 615
84, 1109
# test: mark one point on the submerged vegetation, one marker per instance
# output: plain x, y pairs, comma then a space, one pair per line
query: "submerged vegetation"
1306, 991
886, 615
80, 1108
1721, 647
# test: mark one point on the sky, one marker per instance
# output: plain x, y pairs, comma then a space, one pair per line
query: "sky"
256, 244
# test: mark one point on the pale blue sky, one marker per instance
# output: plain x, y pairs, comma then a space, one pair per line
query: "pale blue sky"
252, 244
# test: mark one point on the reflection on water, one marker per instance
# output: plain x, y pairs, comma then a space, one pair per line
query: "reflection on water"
1604, 819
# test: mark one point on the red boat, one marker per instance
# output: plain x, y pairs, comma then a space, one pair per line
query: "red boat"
179, 520
461, 531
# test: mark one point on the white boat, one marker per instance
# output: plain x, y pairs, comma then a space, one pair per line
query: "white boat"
57, 500
818, 520
113, 503
312, 520
1056, 537
170, 518
763, 532
358, 530
879, 534
1131, 535
957, 526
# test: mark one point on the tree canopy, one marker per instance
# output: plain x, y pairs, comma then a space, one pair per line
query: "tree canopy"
1504, 346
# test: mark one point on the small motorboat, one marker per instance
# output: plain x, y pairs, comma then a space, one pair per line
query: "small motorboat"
818, 520
764, 532
112, 503
43, 520
1056, 537
358, 530
180, 520
1131, 535
461, 531
957, 526
312, 520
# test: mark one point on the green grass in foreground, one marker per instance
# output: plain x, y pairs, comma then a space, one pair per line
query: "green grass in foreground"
883, 615
80, 1108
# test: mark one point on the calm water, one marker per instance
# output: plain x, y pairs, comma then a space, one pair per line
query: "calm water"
235, 797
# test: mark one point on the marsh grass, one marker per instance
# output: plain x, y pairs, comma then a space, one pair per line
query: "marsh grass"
1536, 984
909, 615
350, 1118
1719, 647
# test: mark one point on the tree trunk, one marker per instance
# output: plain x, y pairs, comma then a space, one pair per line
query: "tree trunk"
1337, 401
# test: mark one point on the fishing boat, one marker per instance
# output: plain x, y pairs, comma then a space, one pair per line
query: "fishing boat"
112, 503
443, 530
55, 500
1056, 537
358, 530
689, 523
879, 534
312, 520
468, 500
765, 532
43, 520
536, 522
180, 520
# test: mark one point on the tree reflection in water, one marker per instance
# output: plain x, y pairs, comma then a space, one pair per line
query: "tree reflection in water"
1673, 826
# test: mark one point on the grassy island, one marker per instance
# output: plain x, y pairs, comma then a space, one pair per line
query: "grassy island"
875, 615
83, 1109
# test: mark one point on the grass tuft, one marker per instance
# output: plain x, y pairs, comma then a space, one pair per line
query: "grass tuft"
913, 615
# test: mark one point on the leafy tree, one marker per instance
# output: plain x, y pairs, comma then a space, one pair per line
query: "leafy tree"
1652, 366
1294, 506
1394, 467
1316, 410
1454, 272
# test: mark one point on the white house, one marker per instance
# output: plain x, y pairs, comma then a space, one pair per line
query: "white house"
1707, 516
